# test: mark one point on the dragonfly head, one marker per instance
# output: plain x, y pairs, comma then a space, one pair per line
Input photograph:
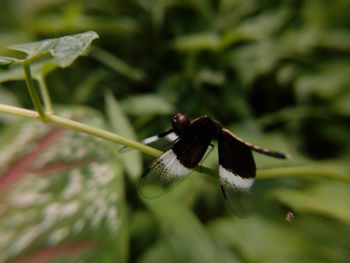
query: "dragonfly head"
180, 122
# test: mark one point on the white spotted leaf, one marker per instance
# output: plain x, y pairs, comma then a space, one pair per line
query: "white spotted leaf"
60, 189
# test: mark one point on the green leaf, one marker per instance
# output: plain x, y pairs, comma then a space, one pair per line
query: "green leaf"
159, 252
259, 240
64, 50
38, 69
13, 73
7, 97
118, 64
187, 236
209, 76
147, 105
8, 60
197, 42
264, 25
329, 198
231, 37
327, 82
121, 125
58, 187
253, 60
342, 104
88, 86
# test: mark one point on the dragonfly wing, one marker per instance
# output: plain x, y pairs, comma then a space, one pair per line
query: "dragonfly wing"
171, 167
168, 135
237, 172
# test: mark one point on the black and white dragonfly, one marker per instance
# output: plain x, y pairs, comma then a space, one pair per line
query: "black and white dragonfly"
191, 140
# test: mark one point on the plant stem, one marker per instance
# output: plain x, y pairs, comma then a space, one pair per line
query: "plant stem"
78, 126
301, 171
261, 174
45, 95
103, 134
18, 111
32, 92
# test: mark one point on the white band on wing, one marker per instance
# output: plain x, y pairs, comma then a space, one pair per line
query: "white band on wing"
172, 164
150, 139
172, 136
235, 180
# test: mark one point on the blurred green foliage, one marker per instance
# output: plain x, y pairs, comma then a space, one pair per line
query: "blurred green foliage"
277, 73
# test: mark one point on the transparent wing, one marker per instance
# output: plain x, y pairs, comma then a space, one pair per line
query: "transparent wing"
164, 174
237, 172
238, 200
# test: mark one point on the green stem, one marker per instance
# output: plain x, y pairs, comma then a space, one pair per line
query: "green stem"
103, 134
261, 174
18, 111
300, 171
32, 92
78, 126
45, 95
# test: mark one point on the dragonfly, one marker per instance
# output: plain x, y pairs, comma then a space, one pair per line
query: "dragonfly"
191, 139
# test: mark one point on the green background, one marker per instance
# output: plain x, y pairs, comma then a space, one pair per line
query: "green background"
276, 73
